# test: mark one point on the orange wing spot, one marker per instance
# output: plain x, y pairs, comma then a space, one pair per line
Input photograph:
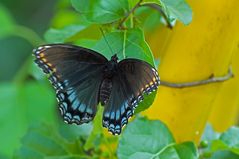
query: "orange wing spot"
44, 60
41, 55
151, 83
154, 79
54, 69
49, 64
142, 89
146, 86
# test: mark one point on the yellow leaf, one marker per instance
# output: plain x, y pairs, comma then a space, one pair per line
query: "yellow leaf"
195, 52
226, 105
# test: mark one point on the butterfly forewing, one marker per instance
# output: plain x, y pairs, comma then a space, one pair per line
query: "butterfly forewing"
76, 74
133, 79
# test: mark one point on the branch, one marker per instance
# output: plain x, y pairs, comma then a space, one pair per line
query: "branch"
129, 13
27, 34
35, 40
199, 83
159, 9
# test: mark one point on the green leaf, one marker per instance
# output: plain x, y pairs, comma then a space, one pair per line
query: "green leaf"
224, 155
147, 102
63, 35
97, 130
36, 72
19, 107
39, 100
7, 23
65, 17
47, 141
3, 157
152, 139
209, 134
175, 9
231, 137
101, 11
132, 3
72, 132
218, 145
209, 141
186, 150
128, 44
178, 9
144, 138
149, 18
12, 120
87, 43
227, 141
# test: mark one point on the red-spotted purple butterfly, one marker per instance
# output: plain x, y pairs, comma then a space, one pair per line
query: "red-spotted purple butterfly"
82, 78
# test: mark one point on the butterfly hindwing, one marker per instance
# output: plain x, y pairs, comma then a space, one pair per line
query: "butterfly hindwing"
76, 74
133, 79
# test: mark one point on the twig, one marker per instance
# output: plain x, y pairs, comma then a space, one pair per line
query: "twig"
35, 40
159, 9
27, 34
198, 83
129, 13
23, 71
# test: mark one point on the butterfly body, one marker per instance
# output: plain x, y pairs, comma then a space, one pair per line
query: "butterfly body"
105, 91
84, 78
111, 67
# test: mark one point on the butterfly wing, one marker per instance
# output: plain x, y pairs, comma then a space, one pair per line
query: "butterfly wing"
76, 74
133, 79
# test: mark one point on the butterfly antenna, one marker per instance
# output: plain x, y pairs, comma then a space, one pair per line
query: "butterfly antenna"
102, 32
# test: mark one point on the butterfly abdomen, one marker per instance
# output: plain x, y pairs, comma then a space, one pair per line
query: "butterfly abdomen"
105, 91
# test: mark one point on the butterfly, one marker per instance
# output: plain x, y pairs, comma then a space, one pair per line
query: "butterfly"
83, 78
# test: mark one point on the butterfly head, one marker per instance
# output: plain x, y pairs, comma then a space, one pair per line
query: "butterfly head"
114, 58
110, 67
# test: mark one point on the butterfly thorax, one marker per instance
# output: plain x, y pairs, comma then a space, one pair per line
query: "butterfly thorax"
109, 70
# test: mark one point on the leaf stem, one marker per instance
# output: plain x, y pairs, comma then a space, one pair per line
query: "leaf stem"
35, 40
129, 15
23, 71
212, 79
131, 21
124, 44
27, 34
163, 149
159, 9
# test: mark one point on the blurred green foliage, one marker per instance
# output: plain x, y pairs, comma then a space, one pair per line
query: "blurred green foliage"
61, 142
16, 40
22, 105
7, 22
220, 146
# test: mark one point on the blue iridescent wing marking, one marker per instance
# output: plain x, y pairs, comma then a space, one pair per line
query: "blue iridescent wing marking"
134, 78
76, 74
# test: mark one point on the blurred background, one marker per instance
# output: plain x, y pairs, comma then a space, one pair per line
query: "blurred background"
33, 14
206, 48
21, 20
